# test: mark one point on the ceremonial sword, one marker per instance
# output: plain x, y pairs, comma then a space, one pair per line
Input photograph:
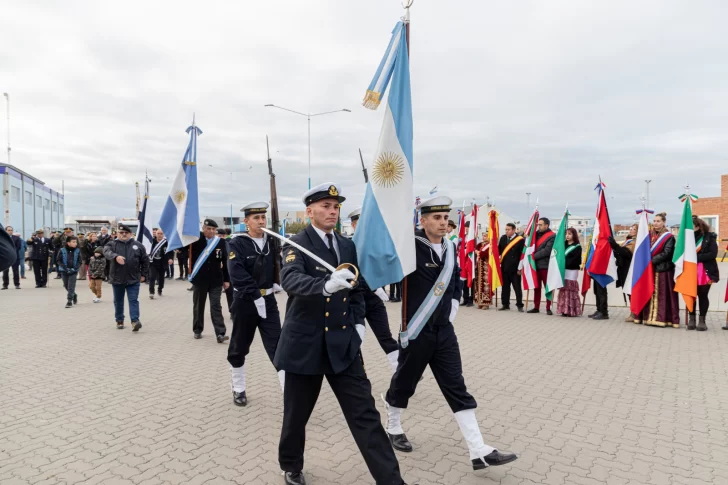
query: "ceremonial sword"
314, 257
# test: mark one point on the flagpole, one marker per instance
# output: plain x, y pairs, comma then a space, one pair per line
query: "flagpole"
403, 290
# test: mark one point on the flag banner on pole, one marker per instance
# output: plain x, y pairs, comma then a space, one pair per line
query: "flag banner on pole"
601, 263
640, 282
527, 265
685, 256
557, 262
180, 218
586, 279
470, 241
384, 237
144, 235
433, 190
462, 259
494, 273
378, 86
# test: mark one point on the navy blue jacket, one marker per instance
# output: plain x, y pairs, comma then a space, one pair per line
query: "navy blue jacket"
251, 269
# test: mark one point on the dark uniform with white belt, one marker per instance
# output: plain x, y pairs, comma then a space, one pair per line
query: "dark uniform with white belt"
253, 264
436, 345
209, 280
376, 313
319, 339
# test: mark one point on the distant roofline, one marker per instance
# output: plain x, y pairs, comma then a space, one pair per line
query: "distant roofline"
22, 172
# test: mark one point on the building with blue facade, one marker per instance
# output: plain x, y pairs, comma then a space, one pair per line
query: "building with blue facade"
27, 204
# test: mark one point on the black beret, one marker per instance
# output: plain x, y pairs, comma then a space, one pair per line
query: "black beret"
209, 222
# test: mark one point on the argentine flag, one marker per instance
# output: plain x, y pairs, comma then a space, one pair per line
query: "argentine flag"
180, 218
384, 236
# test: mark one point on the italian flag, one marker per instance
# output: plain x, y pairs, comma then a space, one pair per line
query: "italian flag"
686, 256
527, 266
557, 263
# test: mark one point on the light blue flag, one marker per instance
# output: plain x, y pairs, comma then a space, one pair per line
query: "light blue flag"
384, 236
180, 218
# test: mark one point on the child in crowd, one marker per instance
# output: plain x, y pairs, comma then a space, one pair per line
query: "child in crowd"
68, 263
96, 268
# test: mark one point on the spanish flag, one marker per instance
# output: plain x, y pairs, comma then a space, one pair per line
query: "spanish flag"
494, 273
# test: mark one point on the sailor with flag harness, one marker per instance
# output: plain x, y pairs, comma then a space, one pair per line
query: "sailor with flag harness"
433, 294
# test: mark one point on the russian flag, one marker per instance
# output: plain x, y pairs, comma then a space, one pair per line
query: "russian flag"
640, 281
384, 237
601, 263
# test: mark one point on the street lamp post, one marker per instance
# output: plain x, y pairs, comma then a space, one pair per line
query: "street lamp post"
7, 111
308, 117
647, 194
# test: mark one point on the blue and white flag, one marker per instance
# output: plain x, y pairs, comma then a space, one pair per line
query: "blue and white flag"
384, 237
144, 235
433, 190
180, 218
283, 228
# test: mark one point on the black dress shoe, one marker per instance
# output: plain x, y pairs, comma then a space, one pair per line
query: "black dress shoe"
593, 315
533, 310
520, 309
222, 338
494, 459
5, 287
600, 316
198, 335
469, 304
136, 325
294, 478
504, 308
400, 442
240, 399
549, 312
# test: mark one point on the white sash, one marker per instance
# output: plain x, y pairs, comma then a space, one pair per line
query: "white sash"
211, 244
428, 306
659, 240
157, 247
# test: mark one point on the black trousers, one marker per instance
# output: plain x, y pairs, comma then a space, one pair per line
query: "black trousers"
703, 302
229, 294
184, 270
511, 279
468, 292
376, 315
600, 293
436, 346
199, 298
395, 290
354, 393
156, 275
40, 268
245, 321
16, 276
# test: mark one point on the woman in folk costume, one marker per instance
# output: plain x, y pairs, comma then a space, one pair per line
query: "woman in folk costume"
483, 293
623, 254
707, 248
663, 309
568, 303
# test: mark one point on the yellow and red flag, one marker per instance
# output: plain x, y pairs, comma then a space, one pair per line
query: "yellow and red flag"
494, 273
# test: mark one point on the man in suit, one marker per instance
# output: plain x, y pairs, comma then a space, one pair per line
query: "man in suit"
8, 255
41, 249
254, 267
433, 299
510, 247
17, 244
208, 277
320, 337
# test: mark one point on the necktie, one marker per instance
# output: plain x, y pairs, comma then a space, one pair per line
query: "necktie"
330, 238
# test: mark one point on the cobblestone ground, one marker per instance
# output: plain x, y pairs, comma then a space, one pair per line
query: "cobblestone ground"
581, 402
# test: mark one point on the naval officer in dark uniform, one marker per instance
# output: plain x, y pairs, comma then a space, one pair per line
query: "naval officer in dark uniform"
254, 267
376, 313
319, 339
435, 289
209, 274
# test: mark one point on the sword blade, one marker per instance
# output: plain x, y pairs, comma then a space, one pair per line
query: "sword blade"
301, 248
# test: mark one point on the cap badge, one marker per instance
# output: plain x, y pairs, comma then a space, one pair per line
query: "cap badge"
333, 191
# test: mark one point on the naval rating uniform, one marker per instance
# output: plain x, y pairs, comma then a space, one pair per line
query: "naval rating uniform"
433, 294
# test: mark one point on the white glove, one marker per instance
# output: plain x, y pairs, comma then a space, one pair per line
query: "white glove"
338, 281
454, 310
277, 288
361, 330
260, 306
381, 294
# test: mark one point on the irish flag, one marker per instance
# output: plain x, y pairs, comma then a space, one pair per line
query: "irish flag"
557, 263
686, 256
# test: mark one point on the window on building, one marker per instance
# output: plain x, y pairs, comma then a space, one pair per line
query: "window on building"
47, 204
15, 192
60, 208
28, 198
55, 206
39, 201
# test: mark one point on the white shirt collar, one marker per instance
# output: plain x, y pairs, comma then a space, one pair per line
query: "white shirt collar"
322, 235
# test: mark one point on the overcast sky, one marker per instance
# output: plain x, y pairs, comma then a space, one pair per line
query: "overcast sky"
509, 97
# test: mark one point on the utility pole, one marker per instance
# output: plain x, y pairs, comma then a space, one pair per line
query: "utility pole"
7, 111
647, 193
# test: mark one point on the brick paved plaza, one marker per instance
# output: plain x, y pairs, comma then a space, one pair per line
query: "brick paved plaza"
581, 402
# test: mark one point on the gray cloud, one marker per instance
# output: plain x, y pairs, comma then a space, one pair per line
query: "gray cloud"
508, 98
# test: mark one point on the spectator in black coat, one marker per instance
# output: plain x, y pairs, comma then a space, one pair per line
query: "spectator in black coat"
8, 251
623, 254
706, 243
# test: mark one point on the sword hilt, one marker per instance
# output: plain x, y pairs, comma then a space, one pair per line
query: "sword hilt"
350, 267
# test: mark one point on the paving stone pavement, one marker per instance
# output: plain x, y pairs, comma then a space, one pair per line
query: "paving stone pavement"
581, 402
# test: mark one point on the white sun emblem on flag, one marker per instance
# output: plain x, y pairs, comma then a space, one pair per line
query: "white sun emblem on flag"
388, 169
